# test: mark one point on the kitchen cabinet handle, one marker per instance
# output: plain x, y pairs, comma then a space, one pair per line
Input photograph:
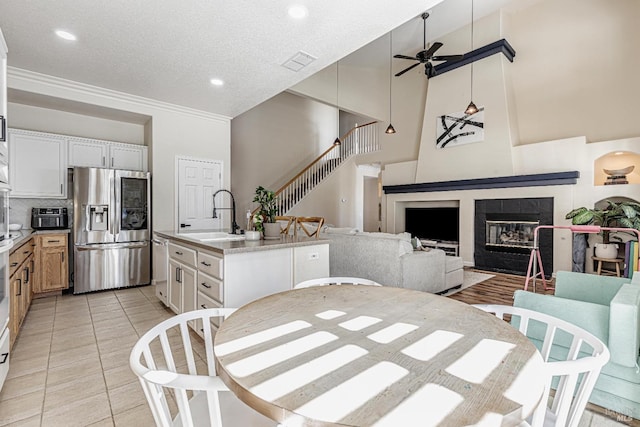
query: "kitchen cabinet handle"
205, 285
112, 162
203, 306
205, 264
179, 253
26, 280
13, 264
60, 188
19, 287
62, 255
103, 160
178, 274
25, 252
53, 241
5, 356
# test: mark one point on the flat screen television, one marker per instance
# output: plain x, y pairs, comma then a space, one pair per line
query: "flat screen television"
433, 223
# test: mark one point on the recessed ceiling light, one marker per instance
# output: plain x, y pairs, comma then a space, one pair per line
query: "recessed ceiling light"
619, 153
298, 11
65, 35
217, 82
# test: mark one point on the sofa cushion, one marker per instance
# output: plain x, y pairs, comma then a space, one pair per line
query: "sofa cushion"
340, 230
452, 263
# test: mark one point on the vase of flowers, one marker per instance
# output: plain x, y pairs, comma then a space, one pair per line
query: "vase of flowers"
265, 219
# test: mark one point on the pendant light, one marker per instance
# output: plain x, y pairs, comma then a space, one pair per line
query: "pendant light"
471, 109
390, 129
337, 140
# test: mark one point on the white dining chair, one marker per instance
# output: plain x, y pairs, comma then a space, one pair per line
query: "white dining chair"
324, 281
170, 368
573, 360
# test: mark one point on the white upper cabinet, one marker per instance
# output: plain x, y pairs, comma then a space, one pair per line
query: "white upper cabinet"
37, 165
87, 153
101, 154
132, 157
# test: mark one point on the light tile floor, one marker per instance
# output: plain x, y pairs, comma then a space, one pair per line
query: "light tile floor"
70, 364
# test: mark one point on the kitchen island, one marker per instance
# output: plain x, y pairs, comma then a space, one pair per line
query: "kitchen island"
191, 273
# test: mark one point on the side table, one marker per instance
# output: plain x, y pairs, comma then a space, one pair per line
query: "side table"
617, 261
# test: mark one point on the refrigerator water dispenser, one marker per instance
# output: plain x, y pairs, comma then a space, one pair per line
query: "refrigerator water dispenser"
98, 217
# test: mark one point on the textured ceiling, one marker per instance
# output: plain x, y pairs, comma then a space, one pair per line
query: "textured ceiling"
168, 51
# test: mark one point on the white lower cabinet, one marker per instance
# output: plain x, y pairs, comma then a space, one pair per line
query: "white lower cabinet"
202, 279
4, 356
182, 286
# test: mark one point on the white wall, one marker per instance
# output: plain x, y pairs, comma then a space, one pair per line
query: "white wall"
172, 130
29, 117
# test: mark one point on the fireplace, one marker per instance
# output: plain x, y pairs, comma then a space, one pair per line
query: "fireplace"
511, 234
504, 233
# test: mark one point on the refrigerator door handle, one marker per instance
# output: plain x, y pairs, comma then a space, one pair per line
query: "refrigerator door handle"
133, 245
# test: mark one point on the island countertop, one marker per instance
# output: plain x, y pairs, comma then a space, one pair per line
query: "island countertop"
242, 246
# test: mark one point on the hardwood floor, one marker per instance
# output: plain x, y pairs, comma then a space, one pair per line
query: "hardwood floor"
499, 290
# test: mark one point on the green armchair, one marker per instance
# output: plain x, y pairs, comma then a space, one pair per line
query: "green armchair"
609, 308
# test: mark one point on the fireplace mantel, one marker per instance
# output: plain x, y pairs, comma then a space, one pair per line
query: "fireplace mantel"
534, 180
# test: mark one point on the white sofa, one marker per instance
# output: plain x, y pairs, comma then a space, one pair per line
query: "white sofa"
390, 260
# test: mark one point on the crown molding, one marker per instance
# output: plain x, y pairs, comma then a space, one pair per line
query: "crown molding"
19, 74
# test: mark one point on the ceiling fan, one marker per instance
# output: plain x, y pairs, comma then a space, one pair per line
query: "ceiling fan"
425, 56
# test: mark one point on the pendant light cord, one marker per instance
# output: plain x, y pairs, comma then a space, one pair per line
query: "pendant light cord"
471, 49
390, 70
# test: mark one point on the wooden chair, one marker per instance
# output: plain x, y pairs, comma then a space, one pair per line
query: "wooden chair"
167, 366
285, 224
578, 357
310, 225
325, 281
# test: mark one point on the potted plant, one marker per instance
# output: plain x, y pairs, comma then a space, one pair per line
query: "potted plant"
615, 215
264, 219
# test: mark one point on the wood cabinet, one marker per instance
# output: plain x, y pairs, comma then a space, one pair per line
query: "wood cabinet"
38, 164
21, 279
52, 254
103, 154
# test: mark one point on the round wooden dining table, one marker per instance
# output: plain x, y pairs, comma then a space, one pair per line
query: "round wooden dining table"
377, 356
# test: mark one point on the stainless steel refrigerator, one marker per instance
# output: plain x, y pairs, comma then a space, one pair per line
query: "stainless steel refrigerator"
111, 229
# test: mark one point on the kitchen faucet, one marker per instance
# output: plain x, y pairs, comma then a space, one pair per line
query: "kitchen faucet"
234, 224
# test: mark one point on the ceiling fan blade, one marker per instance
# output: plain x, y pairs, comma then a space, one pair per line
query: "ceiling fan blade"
447, 58
407, 69
404, 57
432, 49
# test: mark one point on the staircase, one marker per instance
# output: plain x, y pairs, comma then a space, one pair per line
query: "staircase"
359, 140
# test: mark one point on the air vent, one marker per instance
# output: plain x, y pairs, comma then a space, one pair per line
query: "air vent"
298, 61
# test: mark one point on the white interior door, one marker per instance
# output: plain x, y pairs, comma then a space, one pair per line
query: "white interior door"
197, 181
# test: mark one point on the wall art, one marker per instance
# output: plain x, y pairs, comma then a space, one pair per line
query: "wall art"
459, 129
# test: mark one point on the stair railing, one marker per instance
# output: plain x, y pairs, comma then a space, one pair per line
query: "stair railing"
361, 139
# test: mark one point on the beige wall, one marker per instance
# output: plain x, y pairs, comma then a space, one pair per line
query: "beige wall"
172, 130
275, 140
576, 69
55, 121
335, 200
364, 90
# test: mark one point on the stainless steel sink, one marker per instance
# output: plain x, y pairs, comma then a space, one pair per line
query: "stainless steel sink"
213, 236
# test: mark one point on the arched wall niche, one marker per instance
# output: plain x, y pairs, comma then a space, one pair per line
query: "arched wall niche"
616, 160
